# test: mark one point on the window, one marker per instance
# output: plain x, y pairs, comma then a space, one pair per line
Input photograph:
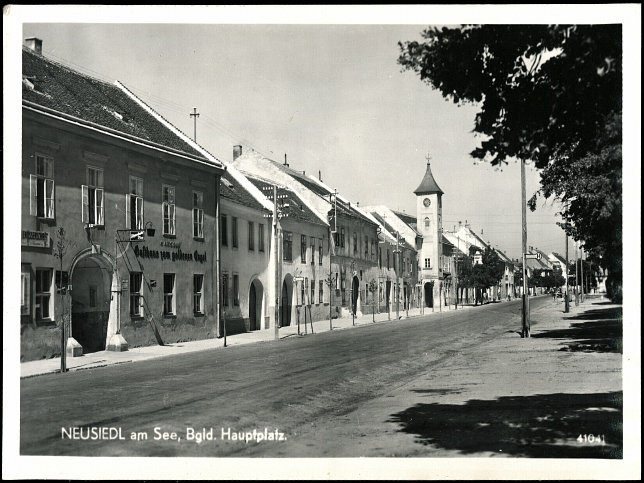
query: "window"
134, 213
92, 295
224, 289
366, 248
197, 293
288, 246
235, 240
25, 290
224, 230
426, 223
260, 236
379, 257
428, 263
303, 248
355, 243
168, 210
304, 287
342, 237
197, 214
92, 197
235, 289
136, 298
373, 249
321, 292
169, 294
387, 259
312, 251
42, 188
336, 239
251, 235
312, 300
320, 252
43, 293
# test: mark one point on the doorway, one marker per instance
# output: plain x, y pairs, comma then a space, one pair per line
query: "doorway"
429, 294
355, 292
255, 298
91, 282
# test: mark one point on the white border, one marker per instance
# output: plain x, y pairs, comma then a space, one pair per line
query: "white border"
629, 15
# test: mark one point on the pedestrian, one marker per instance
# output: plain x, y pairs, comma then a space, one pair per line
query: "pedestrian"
554, 294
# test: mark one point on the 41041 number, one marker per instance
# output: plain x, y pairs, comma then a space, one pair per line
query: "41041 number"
591, 438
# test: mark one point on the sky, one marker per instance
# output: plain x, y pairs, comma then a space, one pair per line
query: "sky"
331, 97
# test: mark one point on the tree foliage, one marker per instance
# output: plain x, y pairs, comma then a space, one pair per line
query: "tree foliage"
547, 279
547, 94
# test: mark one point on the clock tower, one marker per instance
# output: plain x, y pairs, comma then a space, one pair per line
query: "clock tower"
429, 224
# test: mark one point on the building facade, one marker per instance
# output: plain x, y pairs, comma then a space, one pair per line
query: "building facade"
100, 174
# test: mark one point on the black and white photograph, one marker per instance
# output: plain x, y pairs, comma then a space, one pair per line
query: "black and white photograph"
323, 241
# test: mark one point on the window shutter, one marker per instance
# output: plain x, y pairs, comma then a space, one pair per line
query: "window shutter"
172, 220
128, 215
49, 198
99, 207
139, 212
84, 204
33, 198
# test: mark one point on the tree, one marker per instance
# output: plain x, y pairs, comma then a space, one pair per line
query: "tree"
480, 276
550, 94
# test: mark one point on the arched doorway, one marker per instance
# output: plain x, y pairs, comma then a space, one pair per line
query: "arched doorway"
355, 292
286, 305
91, 281
429, 294
255, 299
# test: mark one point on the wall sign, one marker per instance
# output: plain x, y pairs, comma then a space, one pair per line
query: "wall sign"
176, 255
35, 239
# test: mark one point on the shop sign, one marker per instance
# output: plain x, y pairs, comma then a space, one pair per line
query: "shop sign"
35, 239
176, 255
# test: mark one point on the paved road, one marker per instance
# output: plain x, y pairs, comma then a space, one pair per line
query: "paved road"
267, 390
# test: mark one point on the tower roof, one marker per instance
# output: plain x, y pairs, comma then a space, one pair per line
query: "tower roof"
428, 184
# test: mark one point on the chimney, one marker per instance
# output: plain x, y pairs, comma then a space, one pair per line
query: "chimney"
35, 44
285, 161
237, 151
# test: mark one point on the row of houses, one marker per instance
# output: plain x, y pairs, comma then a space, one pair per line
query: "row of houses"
133, 234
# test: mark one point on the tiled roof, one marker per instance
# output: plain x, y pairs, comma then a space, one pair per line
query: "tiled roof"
57, 87
392, 230
342, 208
428, 185
235, 192
297, 209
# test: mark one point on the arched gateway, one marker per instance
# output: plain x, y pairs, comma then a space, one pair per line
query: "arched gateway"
91, 280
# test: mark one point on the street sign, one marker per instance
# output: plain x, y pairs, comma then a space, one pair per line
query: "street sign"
533, 255
136, 235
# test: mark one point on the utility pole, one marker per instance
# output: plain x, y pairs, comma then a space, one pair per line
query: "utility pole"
566, 302
525, 313
276, 254
582, 275
396, 271
195, 115
576, 275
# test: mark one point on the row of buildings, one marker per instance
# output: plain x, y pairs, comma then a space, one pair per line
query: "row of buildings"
134, 234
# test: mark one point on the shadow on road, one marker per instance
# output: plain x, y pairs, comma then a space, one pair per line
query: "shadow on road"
601, 331
539, 426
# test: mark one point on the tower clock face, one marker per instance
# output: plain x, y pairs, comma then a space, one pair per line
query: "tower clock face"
427, 202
